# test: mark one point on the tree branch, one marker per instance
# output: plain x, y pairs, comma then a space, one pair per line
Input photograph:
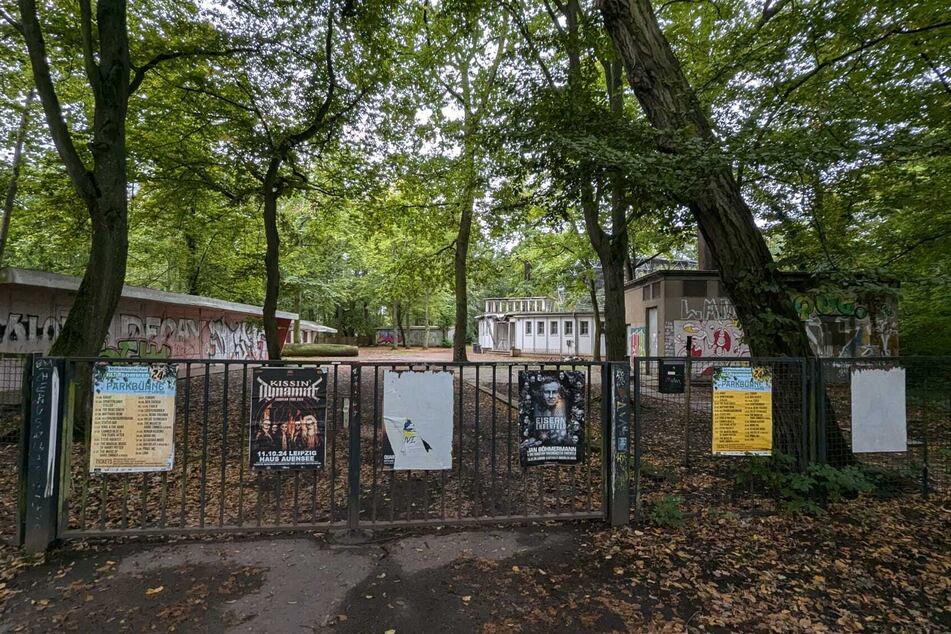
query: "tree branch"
140, 71
89, 58
81, 178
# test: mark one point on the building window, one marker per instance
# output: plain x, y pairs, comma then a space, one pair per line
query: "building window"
646, 293
554, 328
528, 327
695, 288
540, 328
583, 327
655, 290
568, 327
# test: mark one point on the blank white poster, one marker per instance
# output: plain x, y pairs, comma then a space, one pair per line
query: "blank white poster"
878, 411
417, 417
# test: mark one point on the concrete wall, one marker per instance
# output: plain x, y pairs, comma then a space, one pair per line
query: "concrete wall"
415, 336
31, 318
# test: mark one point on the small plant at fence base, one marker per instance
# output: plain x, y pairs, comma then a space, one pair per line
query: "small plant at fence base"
804, 491
666, 511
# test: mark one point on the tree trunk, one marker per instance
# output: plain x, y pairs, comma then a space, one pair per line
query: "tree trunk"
770, 323
400, 317
426, 332
15, 173
462, 253
270, 191
104, 189
596, 345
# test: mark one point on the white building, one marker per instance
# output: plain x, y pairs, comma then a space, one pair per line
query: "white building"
534, 325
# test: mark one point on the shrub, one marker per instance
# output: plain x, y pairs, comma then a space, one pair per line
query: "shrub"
666, 511
319, 350
808, 490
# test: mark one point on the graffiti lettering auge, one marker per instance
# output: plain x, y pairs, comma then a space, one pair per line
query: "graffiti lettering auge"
713, 308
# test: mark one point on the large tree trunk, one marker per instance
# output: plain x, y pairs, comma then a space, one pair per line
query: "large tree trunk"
10, 198
746, 267
770, 323
272, 287
104, 189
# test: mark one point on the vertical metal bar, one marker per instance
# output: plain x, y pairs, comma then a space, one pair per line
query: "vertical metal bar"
125, 501
477, 501
87, 442
494, 493
587, 438
163, 511
688, 373
375, 491
224, 443
245, 439
803, 413
509, 496
442, 477
296, 512
637, 438
188, 407
278, 494
353, 468
144, 501
333, 448
821, 408
258, 502
462, 420
103, 500
204, 446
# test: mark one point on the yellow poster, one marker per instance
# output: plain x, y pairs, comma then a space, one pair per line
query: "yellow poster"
742, 411
133, 418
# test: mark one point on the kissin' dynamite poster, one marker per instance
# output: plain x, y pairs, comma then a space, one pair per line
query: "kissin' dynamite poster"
288, 418
551, 417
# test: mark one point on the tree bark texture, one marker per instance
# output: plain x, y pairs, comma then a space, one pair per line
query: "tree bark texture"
746, 267
770, 323
467, 211
10, 198
271, 191
596, 326
104, 188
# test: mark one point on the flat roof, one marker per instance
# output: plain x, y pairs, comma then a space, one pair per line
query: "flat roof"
57, 281
315, 327
550, 313
794, 277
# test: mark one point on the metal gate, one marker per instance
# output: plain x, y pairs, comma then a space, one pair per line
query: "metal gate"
212, 488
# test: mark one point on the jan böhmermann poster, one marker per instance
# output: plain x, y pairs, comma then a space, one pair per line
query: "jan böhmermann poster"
551, 417
288, 418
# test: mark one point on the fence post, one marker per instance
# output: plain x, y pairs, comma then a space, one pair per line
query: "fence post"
821, 456
804, 383
353, 463
615, 388
637, 440
688, 370
40, 481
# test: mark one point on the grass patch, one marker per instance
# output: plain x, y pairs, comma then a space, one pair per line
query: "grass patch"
319, 350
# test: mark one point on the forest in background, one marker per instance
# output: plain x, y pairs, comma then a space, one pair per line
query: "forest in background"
406, 150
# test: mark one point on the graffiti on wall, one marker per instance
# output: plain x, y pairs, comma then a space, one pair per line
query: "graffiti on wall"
33, 331
710, 338
637, 341
135, 336
385, 337
839, 326
712, 308
229, 339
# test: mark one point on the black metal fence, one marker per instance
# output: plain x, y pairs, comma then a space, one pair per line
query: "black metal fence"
212, 487
812, 415
11, 400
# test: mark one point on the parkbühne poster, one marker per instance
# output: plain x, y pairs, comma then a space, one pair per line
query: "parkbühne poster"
551, 417
288, 418
417, 420
133, 418
742, 411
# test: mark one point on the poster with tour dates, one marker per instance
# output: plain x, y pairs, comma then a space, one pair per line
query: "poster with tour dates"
133, 418
288, 418
742, 411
